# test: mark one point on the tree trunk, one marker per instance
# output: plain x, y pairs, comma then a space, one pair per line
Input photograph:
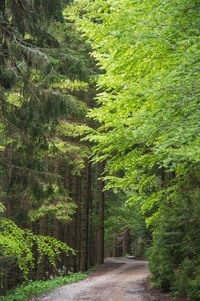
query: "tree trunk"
84, 221
42, 231
78, 256
74, 222
100, 234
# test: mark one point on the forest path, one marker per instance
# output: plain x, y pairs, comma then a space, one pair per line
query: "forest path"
120, 279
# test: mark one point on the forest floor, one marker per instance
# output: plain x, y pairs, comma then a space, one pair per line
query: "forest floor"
119, 279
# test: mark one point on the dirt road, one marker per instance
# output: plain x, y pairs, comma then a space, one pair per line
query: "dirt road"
119, 279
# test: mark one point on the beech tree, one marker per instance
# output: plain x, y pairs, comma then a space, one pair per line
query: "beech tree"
149, 120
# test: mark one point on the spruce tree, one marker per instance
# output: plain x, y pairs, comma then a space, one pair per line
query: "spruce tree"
45, 83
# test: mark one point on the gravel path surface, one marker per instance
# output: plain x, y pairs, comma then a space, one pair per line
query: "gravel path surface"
119, 279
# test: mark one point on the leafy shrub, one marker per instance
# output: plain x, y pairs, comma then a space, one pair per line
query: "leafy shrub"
187, 279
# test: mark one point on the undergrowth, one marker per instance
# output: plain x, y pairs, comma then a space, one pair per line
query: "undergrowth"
23, 292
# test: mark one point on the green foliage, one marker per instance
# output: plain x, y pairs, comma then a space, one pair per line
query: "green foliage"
23, 292
144, 72
50, 68
174, 258
45, 87
61, 210
2, 208
20, 244
148, 117
121, 218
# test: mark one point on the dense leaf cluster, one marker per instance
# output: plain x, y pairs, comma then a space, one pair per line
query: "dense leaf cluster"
20, 244
148, 112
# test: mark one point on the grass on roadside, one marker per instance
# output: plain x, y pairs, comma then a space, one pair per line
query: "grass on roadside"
23, 292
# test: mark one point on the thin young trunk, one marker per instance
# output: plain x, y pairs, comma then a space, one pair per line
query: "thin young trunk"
56, 223
74, 222
66, 261
84, 222
42, 231
125, 240
100, 234
78, 257
88, 202
67, 226
92, 226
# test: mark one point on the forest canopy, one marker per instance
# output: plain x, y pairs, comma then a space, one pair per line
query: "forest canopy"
116, 83
149, 133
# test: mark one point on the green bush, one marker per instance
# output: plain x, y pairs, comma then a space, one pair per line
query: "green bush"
187, 279
175, 255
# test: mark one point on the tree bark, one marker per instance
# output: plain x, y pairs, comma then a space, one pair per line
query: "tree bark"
100, 234
42, 231
84, 221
